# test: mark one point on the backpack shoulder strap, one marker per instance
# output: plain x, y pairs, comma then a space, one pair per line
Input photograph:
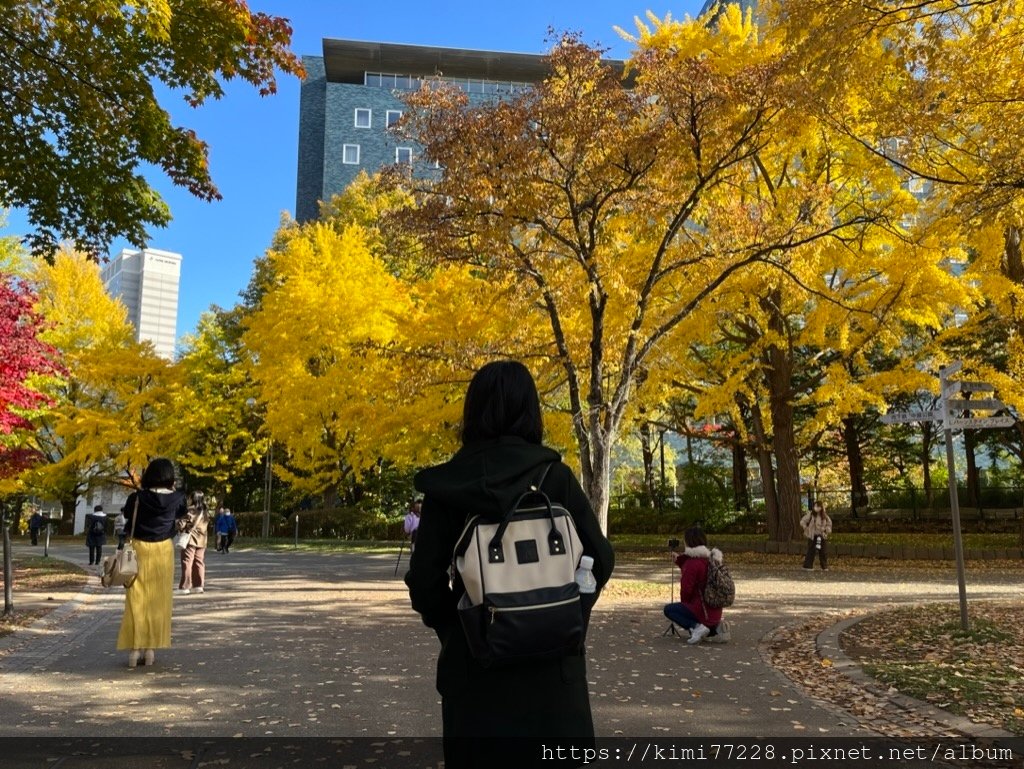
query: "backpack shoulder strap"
543, 475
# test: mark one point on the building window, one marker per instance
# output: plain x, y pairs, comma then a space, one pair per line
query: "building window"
917, 185
393, 116
350, 154
403, 155
362, 117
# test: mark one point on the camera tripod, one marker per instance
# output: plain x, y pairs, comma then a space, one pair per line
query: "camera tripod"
671, 629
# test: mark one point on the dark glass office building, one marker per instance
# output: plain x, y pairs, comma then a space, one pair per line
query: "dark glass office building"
351, 96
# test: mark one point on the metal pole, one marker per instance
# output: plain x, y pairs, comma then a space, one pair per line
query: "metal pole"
954, 497
296, 531
958, 544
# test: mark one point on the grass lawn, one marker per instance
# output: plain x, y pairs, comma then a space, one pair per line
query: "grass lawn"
926, 654
972, 540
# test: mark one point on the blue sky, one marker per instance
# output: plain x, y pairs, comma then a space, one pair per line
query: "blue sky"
254, 142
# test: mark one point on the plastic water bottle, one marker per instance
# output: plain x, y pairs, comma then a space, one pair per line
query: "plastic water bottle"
585, 575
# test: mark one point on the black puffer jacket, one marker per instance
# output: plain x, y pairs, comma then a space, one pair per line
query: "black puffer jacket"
541, 700
157, 512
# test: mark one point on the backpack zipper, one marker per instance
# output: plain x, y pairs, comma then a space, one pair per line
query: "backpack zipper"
495, 609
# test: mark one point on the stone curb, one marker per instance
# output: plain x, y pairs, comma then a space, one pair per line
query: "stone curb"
828, 646
881, 552
764, 645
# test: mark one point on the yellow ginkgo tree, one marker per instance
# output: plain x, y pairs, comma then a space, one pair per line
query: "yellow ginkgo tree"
934, 88
114, 407
314, 338
216, 418
624, 208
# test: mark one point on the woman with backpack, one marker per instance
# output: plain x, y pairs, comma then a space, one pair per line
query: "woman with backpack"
691, 612
498, 715
96, 534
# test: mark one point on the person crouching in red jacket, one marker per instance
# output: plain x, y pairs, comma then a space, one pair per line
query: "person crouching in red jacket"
690, 612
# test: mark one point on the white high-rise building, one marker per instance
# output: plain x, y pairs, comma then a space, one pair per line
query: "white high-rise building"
146, 282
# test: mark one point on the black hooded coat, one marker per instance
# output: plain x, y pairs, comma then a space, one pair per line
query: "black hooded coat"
520, 705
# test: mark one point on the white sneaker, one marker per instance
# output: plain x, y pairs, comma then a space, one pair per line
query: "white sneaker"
723, 634
200, 590
698, 633
183, 591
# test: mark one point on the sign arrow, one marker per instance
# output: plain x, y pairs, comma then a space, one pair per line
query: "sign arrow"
981, 423
900, 417
980, 404
951, 369
967, 387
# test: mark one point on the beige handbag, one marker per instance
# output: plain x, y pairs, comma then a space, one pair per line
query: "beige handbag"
123, 567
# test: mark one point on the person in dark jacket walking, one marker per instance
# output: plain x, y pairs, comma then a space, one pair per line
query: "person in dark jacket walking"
35, 523
96, 534
499, 716
146, 624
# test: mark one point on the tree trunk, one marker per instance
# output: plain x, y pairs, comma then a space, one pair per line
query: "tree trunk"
779, 380
855, 459
596, 484
767, 473
787, 471
740, 488
648, 455
67, 511
8, 562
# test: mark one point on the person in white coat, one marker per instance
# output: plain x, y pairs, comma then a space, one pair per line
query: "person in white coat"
817, 528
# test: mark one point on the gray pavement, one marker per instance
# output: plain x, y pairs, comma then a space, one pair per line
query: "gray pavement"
325, 645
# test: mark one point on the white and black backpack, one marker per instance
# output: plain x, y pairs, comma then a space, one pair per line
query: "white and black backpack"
521, 600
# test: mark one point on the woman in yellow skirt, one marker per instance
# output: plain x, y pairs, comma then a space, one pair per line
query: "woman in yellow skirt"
150, 516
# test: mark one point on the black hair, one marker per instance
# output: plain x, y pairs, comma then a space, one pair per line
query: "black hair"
694, 537
159, 474
502, 400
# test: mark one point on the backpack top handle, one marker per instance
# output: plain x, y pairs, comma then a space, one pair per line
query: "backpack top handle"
556, 543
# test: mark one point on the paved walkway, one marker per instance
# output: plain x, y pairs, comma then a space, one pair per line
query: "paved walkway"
325, 645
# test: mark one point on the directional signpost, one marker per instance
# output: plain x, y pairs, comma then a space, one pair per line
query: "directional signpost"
900, 417
957, 414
